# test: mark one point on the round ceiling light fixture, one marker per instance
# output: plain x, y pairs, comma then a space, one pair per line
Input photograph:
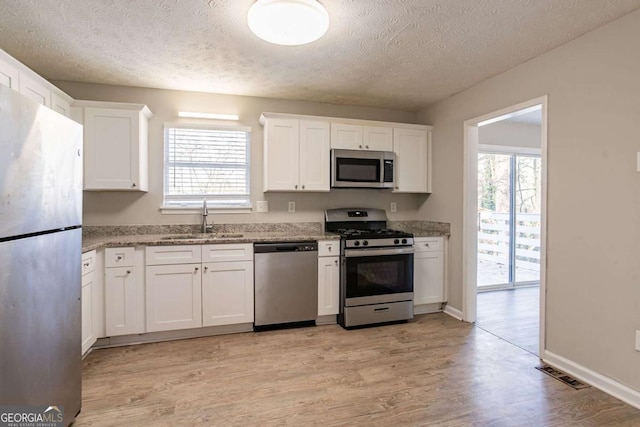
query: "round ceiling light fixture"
288, 22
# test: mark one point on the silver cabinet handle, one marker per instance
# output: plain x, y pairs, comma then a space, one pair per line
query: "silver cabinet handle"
128, 271
359, 146
86, 264
133, 185
329, 248
206, 268
196, 268
303, 187
367, 147
296, 187
119, 258
336, 261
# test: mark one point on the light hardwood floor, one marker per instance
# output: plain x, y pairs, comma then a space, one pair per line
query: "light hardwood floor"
513, 315
433, 371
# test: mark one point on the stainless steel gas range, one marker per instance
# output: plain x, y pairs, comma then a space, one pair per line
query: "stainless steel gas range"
376, 267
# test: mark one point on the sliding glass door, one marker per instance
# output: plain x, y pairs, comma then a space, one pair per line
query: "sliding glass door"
509, 195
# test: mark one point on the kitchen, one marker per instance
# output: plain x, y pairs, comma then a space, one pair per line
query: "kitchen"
134, 208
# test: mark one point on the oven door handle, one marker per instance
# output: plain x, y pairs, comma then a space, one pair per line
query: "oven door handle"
352, 253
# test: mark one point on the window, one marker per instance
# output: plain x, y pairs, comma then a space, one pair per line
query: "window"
206, 162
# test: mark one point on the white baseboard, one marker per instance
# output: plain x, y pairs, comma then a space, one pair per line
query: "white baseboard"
427, 308
606, 384
453, 312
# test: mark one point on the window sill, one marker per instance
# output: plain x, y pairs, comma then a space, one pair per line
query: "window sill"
177, 210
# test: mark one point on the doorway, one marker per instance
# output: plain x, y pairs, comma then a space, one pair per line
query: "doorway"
504, 223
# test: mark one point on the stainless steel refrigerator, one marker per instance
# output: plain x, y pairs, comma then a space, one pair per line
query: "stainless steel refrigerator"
40, 252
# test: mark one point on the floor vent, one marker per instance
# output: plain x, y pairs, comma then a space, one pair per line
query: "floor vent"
561, 376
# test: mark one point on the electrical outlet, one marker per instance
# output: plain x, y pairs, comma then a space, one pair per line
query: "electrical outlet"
262, 206
292, 206
394, 207
637, 340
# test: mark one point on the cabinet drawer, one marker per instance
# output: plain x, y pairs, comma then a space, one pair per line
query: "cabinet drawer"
179, 254
227, 252
119, 257
428, 244
328, 248
88, 262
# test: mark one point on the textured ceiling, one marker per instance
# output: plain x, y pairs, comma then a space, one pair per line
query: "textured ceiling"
402, 54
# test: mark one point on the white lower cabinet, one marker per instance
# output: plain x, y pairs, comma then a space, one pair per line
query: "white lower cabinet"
227, 293
123, 293
173, 297
87, 297
428, 276
328, 278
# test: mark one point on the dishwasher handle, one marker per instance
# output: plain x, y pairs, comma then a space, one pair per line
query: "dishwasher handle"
261, 248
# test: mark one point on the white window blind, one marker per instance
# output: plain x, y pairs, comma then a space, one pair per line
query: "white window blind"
206, 162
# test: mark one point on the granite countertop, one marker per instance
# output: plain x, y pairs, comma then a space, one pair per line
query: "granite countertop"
95, 237
90, 243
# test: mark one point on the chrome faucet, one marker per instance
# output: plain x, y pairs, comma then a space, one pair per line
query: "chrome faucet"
205, 212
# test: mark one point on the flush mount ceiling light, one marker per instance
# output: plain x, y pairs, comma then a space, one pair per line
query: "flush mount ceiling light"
288, 22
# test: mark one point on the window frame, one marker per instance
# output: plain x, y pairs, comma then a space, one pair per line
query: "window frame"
175, 208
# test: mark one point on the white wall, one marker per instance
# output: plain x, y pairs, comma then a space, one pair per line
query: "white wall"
593, 258
123, 208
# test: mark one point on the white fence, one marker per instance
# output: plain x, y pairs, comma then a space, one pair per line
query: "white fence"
493, 239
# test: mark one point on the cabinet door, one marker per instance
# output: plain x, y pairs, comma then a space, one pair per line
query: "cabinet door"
281, 155
60, 105
227, 293
9, 75
88, 335
174, 297
314, 155
328, 285
111, 149
123, 303
34, 90
412, 160
346, 136
377, 138
428, 278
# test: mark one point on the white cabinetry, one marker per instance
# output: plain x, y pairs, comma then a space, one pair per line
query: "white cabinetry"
173, 287
60, 105
428, 277
359, 137
88, 326
34, 90
9, 75
124, 292
115, 146
328, 277
296, 154
413, 152
227, 284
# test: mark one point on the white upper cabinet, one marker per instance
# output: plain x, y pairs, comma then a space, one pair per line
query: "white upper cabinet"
34, 90
357, 137
314, 155
413, 157
296, 154
9, 75
20, 78
115, 146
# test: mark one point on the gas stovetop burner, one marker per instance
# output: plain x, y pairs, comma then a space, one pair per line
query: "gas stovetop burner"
371, 234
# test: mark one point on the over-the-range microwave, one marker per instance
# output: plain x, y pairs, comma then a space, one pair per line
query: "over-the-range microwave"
362, 169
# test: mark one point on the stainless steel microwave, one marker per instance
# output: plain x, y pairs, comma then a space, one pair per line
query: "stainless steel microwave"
362, 169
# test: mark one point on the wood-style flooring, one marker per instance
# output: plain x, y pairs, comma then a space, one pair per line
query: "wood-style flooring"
433, 371
513, 315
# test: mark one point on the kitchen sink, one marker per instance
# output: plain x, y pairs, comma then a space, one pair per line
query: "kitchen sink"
201, 236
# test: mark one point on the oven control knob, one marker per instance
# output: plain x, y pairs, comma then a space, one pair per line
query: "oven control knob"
395, 242
404, 241
365, 243
356, 243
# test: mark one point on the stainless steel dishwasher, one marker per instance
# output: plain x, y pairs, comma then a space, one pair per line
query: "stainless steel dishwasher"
286, 284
